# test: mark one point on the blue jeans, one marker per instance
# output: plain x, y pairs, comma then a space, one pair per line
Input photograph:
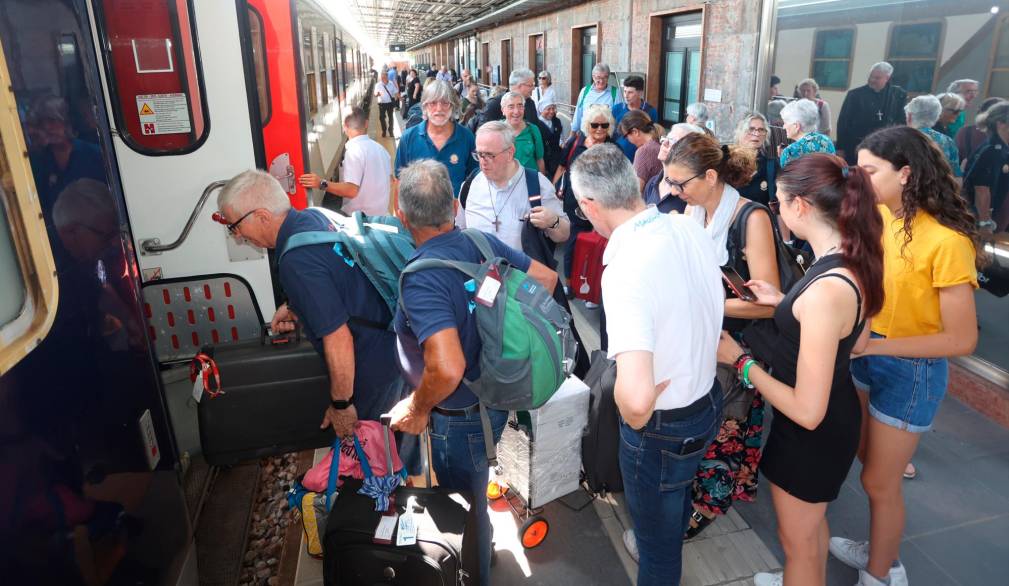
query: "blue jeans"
459, 458
658, 464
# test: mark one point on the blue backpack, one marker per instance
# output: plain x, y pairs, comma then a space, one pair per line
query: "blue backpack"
379, 245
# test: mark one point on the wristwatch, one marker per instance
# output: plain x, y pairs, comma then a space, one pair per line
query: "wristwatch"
323, 184
341, 404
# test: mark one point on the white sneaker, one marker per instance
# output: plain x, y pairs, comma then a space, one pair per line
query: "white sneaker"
590, 305
855, 554
631, 544
766, 579
867, 579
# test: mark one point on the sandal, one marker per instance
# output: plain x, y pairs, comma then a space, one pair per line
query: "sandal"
698, 522
910, 472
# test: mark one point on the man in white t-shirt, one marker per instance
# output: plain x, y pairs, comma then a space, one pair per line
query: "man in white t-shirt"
498, 199
366, 174
663, 297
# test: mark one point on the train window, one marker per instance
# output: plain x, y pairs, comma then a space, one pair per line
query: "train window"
259, 64
323, 66
308, 64
28, 289
154, 74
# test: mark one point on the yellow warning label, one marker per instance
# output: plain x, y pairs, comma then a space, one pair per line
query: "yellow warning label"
146, 110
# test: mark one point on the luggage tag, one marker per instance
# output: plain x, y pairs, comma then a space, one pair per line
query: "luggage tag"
386, 527
489, 288
407, 530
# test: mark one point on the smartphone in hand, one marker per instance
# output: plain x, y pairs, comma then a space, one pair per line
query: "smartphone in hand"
737, 284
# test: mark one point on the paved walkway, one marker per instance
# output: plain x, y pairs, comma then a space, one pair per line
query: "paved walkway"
957, 529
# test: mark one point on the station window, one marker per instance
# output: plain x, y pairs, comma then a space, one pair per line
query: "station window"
154, 74
28, 289
308, 64
831, 66
913, 51
259, 63
998, 82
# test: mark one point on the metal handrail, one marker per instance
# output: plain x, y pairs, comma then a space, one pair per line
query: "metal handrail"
154, 245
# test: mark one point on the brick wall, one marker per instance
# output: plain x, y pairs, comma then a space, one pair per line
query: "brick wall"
730, 46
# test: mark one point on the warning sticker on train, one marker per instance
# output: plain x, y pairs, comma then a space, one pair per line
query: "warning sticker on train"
163, 114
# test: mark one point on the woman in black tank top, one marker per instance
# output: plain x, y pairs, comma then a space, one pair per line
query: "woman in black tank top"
815, 432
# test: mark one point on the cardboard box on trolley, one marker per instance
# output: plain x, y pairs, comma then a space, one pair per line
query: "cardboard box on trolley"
540, 451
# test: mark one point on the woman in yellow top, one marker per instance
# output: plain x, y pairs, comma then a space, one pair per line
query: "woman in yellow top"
929, 277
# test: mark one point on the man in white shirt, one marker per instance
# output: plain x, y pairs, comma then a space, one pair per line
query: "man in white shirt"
663, 297
387, 94
598, 92
367, 170
498, 200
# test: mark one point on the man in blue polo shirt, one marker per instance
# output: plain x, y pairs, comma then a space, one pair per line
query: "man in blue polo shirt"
439, 342
341, 312
439, 137
634, 99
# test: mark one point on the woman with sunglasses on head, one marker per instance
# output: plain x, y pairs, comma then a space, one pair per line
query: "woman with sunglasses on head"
929, 276
705, 175
752, 133
597, 128
815, 432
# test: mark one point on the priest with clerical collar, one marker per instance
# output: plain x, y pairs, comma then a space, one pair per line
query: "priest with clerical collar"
875, 105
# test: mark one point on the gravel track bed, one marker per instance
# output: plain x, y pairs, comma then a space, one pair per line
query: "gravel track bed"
269, 522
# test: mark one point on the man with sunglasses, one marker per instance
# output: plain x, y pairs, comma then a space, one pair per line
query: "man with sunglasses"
669, 400
340, 311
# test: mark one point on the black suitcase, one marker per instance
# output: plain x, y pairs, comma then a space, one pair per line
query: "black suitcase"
601, 443
275, 393
445, 553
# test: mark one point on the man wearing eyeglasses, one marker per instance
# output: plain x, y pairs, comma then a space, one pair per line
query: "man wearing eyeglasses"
598, 92
498, 199
439, 137
340, 311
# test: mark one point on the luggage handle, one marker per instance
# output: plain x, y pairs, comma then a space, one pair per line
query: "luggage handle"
425, 442
279, 339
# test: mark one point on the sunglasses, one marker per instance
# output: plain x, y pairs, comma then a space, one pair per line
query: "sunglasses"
232, 227
678, 185
597, 125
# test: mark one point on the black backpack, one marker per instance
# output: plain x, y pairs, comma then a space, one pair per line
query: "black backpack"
792, 262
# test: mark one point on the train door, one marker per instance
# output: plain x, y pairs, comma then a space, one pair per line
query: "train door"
175, 87
271, 39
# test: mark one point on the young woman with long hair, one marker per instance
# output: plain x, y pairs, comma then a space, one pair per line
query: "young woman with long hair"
815, 431
930, 273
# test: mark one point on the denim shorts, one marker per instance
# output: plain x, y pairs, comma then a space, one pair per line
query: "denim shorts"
903, 392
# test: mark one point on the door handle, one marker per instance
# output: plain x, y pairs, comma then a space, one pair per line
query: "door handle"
154, 246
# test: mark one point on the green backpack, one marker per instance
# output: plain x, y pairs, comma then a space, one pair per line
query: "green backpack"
378, 244
528, 349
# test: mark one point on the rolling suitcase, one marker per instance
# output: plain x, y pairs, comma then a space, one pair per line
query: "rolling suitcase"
601, 442
274, 392
587, 267
445, 553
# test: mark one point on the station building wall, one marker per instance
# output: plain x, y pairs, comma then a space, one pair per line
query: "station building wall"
629, 37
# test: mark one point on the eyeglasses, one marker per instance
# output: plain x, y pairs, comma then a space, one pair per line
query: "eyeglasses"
954, 110
596, 125
232, 227
666, 140
579, 212
677, 185
774, 205
753, 130
478, 156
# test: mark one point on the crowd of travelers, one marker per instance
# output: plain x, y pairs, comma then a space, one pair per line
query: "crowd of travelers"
857, 261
